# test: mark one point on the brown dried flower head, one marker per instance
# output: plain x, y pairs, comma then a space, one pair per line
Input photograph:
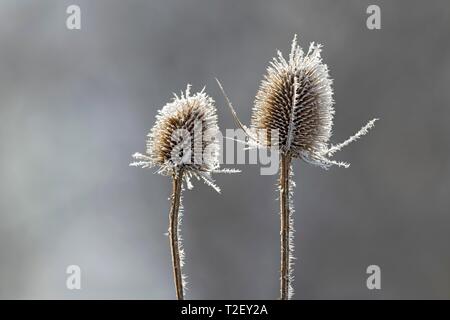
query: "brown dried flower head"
184, 137
296, 99
295, 104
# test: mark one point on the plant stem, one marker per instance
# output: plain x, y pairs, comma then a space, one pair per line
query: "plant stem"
173, 233
285, 224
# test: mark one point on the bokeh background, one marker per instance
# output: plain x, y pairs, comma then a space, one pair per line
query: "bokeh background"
74, 106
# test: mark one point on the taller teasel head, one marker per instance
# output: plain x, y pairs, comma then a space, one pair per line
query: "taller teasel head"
296, 98
184, 137
293, 108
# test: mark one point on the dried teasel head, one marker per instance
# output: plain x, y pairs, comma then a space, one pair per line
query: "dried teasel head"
296, 98
185, 137
293, 108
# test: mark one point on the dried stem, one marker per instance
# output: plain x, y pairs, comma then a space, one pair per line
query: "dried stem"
285, 225
173, 233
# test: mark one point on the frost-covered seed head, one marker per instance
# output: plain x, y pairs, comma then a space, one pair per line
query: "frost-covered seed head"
296, 99
184, 135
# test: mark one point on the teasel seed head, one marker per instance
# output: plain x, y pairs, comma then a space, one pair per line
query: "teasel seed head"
294, 103
296, 98
185, 137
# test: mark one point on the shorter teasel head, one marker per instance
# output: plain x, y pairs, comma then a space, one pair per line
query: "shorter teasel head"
184, 137
296, 99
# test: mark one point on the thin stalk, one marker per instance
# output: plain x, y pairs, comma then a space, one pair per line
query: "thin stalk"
173, 233
285, 224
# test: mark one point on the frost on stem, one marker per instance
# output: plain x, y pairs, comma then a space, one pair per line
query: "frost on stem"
287, 211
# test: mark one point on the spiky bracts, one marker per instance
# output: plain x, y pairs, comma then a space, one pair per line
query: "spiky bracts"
175, 218
286, 187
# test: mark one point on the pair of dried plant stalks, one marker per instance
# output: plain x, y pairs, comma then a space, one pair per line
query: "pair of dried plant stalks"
295, 100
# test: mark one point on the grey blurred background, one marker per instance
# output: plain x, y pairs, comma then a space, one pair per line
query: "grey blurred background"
74, 106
